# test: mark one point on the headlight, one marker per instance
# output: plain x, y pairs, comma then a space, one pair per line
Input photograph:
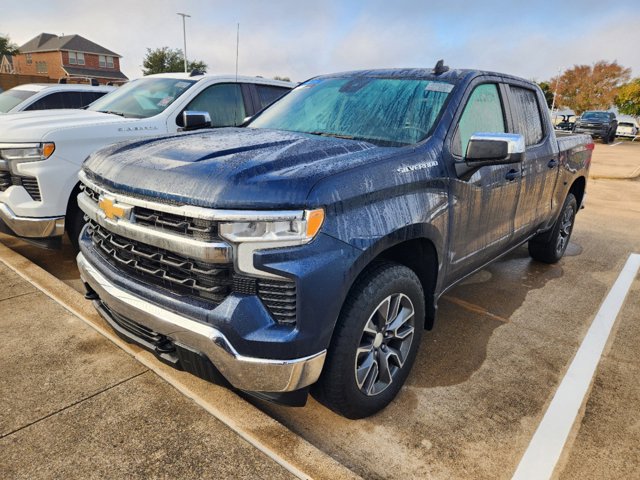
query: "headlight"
295, 230
248, 235
15, 153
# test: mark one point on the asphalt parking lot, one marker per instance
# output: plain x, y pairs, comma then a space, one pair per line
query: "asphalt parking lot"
480, 387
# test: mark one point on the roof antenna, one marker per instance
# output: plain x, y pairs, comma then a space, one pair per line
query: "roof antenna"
440, 68
237, 49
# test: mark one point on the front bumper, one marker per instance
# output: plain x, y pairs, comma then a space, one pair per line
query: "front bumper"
242, 372
30, 227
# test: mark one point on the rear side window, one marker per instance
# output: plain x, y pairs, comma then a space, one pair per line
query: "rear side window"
482, 114
223, 102
268, 94
526, 115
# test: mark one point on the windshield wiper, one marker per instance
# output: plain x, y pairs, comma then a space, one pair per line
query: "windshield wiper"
111, 112
335, 135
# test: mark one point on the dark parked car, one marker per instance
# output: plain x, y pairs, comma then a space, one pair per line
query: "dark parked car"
601, 125
311, 247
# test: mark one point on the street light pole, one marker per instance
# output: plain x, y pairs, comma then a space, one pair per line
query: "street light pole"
184, 35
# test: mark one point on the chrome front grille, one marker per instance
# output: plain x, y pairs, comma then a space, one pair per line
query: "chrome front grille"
160, 267
198, 229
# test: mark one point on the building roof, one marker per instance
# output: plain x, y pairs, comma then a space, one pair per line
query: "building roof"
48, 42
94, 72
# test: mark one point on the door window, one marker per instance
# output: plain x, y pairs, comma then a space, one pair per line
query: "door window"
223, 102
48, 102
526, 115
483, 113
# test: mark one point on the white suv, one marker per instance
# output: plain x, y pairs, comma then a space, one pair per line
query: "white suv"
48, 96
41, 152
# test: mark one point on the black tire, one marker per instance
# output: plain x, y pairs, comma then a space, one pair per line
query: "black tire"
74, 221
549, 247
346, 386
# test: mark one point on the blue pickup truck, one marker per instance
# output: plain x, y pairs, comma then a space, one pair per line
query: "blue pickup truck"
307, 251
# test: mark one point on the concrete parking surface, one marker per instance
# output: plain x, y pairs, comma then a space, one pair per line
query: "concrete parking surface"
481, 384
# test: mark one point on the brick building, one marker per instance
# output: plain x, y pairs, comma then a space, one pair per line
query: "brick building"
68, 56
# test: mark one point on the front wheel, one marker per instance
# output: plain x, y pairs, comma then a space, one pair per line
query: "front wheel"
375, 342
549, 247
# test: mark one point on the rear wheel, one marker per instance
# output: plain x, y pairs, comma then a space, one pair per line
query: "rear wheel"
549, 247
375, 342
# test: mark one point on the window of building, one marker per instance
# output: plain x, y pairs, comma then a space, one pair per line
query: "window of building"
105, 61
41, 67
29, 59
76, 58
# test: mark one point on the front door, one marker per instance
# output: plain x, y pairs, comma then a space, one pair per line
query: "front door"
483, 206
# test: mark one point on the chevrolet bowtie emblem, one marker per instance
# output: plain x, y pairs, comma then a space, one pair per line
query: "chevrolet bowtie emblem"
113, 210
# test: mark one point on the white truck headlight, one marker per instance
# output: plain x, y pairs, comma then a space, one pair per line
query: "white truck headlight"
15, 153
248, 235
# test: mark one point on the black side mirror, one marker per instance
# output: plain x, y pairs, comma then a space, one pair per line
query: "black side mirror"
192, 120
491, 149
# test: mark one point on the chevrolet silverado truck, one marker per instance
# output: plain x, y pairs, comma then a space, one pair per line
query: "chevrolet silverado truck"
598, 124
41, 151
308, 251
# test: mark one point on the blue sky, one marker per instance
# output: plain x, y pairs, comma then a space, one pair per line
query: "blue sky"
301, 38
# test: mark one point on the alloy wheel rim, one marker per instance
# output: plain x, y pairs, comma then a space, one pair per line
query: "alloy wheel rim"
566, 224
385, 344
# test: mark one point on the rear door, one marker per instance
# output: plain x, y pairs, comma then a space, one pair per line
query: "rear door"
541, 164
482, 206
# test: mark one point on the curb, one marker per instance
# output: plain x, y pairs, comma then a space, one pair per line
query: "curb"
277, 442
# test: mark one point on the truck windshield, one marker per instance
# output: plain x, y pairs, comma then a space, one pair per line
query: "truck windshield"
383, 111
595, 116
142, 98
11, 98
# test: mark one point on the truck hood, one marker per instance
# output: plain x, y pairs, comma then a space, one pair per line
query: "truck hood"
228, 168
35, 126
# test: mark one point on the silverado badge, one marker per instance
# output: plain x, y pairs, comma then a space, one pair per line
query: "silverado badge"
113, 210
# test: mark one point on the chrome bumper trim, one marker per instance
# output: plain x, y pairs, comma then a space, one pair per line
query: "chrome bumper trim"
211, 252
31, 227
245, 373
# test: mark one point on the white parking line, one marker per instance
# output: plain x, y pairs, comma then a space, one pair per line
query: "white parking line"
614, 144
543, 452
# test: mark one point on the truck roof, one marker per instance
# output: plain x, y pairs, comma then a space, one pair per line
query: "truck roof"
451, 75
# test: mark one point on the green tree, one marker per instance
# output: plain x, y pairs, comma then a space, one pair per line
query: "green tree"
548, 93
7, 47
284, 79
590, 87
628, 98
167, 60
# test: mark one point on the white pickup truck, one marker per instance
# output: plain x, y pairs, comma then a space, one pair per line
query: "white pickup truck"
41, 152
